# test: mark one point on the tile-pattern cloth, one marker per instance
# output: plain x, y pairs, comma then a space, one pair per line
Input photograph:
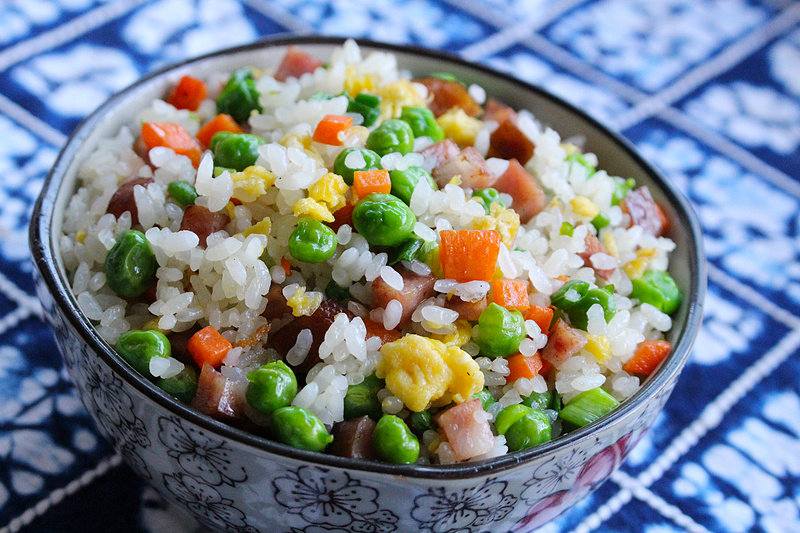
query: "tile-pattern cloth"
709, 90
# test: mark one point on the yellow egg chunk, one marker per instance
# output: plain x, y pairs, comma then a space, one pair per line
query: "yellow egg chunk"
459, 337
459, 126
396, 95
505, 221
355, 83
599, 346
330, 190
262, 228
304, 303
584, 207
420, 371
635, 268
251, 183
308, 207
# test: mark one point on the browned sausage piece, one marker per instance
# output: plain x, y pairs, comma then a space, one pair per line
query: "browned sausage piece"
415, 289
353, 438
447, 94
508, 142
276, 303
441, 151
498, 111
470, 165
218, 397
564, 342
594, 246
467, 310
122, 200
644, 211
529, 198
202, 222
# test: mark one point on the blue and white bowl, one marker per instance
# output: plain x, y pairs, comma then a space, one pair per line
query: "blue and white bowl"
236, 481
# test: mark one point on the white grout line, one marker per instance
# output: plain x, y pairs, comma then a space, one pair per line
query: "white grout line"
13, 318
65, 32
655, 501
20, 297
709, 418
747, 293
724, 61
511, 34
281, 16
603, 513
32, 122
55, 497
730, 149
481, 12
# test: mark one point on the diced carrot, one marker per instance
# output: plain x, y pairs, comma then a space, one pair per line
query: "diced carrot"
664, 219
543, 316
330, 127
221, 122
287, 267
511, 293
208, 346
174, 136
368, 181
468, 255
342, 216
523, 366
647, 357
189, 93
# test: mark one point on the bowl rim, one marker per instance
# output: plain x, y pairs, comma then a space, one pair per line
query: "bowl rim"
43, 254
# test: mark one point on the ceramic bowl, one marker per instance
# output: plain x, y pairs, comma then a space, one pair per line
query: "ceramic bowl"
236, 481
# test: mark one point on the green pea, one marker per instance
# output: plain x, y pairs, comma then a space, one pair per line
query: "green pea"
657, 288
485, 397
219, 170
407, 251
271, 387
529, 431
500, 331
539, 400
621, 189
300, 428
392, 135
420, 421
239, 97
130, 265
237, 151
182, 386
600, 221
405, 181
566, 229
334, 291
394, 442
489, 196
422, 122
218, 138
383, 219
362, 399
372, 161
577, 157
509, 416
137, 347
312, 241
366, 105
183, 191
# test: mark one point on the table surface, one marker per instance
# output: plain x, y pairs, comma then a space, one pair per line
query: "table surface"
709, 90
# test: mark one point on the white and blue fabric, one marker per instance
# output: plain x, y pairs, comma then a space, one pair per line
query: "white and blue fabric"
709, 90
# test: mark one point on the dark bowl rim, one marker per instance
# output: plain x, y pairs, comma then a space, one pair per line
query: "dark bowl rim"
41, 243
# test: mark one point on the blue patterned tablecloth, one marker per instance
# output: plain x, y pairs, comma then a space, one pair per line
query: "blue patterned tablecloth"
709, 90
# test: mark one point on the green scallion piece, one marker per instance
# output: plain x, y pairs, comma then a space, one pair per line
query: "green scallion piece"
588, 406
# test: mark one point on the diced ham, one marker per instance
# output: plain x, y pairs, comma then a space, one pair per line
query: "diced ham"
218, 396
645, 212
441, 151
594, 246
448, 94
563, 343
466, 427
141, 149
416, 288
377, 330
470, 165
276, 303
529, 198
342, 216
508, 142
498, 111
318, 323
202, 222
123, 200
296, 63
467, 310
353, 438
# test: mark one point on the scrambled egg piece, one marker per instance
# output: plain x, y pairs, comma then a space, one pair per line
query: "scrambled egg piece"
459, 337
330, 190
355, 83
599, 346
308, 207
396, 95
251, 183
569, 148
459, 126
505, 221
611, 244
295, 140
421, 371
80, 236
262, 228
584, 207
635, 268
304, 303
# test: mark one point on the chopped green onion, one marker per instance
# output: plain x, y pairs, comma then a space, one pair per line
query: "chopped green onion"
588, 406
